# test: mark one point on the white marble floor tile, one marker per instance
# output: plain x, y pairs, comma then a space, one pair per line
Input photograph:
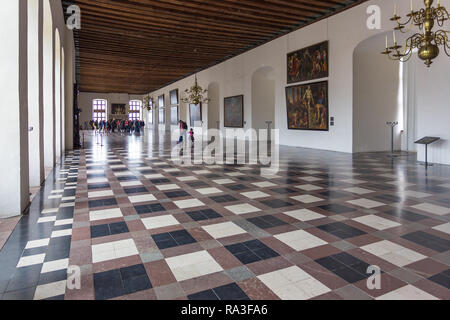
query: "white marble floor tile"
189, 203
242, 208
408, 292
293, 284
193, 265
376, 222
300, 240
432, 208
160, 222
366, 203
105, 214
223, 230
304, 215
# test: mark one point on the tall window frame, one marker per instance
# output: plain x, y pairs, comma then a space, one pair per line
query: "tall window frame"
135, 113
150, 112
99, 109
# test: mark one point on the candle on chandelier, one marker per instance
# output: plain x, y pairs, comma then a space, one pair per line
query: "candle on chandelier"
395, 40
395, 10
386, 42
412, 6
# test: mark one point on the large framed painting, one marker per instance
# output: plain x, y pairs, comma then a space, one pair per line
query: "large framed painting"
195, 114
307, 106
308, 64
118, 109
234, 112
174, 97
174, 115
161, 101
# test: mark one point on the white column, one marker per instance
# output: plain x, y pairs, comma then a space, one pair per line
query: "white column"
57, 82
35, 106
49, 126
63, 102
68, 92
14, 185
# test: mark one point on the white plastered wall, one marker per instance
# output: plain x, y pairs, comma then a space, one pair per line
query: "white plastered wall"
344, 31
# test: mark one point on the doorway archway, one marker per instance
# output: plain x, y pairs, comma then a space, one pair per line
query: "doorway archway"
263, 97
378, 98
214, 106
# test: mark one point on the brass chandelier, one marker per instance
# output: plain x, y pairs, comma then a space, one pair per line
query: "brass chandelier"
427, 42
148, 102
195, 95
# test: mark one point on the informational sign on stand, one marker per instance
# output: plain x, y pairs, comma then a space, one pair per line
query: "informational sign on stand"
427, 141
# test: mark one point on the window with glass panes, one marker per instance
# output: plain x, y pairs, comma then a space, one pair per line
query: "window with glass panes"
99, 110
150, 112
135, 110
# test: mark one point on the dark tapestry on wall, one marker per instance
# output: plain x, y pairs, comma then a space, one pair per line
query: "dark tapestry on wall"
308, 64
195, 114
118, 109
234, 112
307, 106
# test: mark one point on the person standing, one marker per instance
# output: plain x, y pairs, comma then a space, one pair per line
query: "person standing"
183, 129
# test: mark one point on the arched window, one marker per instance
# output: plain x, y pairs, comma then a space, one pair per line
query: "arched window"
135, 110
99, 109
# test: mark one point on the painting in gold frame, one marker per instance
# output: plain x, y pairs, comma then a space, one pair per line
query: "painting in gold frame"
307, 106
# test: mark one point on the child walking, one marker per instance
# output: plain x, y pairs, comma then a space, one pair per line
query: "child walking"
191, 133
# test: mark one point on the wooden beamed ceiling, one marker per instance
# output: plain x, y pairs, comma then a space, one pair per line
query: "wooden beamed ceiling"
138, 46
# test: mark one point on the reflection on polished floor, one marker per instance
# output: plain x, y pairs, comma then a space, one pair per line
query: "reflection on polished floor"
140, 227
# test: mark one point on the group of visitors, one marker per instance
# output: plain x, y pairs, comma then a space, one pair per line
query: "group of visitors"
183, 130
110, 126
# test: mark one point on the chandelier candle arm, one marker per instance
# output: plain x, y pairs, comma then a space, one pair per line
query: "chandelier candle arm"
427, 41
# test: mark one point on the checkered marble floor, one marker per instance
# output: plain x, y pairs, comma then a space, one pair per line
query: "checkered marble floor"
139, 226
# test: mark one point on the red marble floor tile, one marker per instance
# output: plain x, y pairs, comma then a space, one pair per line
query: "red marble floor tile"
427, 267
388, 284
321, 252
81, 234
135, 225
364, 240
159, 273
86, 292
140, 295
270, 265
181, 250
224, 258
200, 235
128, 211
328, 296
256, 290
204, 283
80, 256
